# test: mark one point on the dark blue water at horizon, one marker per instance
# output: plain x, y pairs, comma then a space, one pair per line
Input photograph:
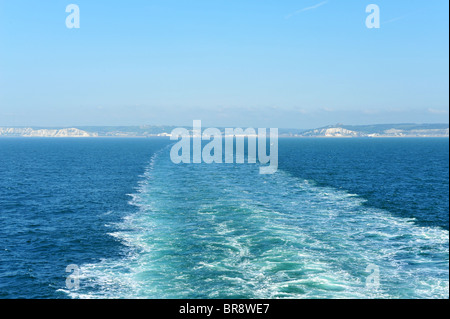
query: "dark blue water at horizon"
141, 226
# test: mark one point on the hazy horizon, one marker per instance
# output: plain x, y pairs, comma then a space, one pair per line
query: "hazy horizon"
204, 126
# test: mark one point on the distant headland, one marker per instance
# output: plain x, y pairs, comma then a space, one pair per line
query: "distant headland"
331, 131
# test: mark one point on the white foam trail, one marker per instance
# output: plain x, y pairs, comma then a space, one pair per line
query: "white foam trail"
217, 231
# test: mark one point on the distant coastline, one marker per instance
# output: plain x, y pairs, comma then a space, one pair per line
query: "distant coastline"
331, 131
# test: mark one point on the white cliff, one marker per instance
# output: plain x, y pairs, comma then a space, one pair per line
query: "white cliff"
332, 132
30, 132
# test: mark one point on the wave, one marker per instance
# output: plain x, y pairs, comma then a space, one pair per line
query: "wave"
225, 231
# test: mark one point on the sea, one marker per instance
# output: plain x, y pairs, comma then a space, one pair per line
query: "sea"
115, 218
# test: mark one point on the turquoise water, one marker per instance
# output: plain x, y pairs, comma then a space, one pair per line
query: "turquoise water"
140, 226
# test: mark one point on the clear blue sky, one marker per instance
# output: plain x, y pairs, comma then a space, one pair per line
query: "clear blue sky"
302, 64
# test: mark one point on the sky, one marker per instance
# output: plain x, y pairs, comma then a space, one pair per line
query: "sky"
234, 63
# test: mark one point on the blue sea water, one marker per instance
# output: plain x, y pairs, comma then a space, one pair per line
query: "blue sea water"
140, 226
